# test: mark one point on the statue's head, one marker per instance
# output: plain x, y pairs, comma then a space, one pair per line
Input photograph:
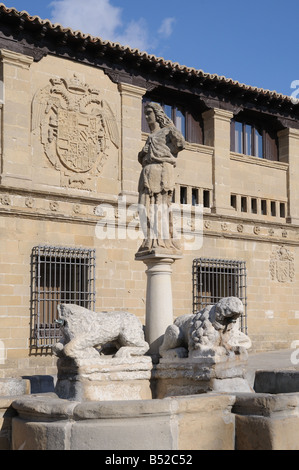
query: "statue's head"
160, 116
227, 310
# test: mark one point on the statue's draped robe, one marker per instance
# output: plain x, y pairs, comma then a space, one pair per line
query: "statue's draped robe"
156, 185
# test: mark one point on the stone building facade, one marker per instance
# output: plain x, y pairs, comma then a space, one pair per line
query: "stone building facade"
71, 129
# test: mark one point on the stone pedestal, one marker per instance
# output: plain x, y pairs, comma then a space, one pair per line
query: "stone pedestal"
104, 379
159, 307
10, 389
195, 375
13, 387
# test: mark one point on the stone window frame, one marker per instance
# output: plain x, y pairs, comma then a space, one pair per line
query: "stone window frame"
270, 147
223, 278
58, 275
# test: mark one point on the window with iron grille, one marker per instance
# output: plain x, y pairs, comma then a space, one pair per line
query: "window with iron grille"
58, 275
214, 279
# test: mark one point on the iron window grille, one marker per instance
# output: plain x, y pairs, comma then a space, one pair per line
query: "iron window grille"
58, 275
214, 279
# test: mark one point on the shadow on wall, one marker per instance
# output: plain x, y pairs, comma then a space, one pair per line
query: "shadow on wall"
41, 383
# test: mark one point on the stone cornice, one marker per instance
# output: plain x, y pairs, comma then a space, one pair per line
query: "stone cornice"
259, 161
219, 114
291, 133
42, 207
131, 90
33, 36
10, 57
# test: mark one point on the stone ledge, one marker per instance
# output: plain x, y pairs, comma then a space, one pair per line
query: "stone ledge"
190, 423
276, 381
264, 404
13, 387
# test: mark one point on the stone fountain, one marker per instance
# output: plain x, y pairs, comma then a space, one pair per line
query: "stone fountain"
172, 387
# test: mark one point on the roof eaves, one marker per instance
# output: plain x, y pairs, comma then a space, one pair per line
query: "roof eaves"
144, 57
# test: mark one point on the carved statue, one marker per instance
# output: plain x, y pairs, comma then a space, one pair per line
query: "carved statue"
213, 330
156, 184
85, 333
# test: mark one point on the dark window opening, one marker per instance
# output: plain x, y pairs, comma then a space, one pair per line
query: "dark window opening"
273, 208
206, 198
214, 279
233, 201
195, 198
183, 195
253, 139
263, 207
254, 206
282, 210
243, 204
59, 275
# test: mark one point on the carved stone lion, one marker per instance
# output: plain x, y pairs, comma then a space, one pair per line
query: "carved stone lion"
85, 333
213, 330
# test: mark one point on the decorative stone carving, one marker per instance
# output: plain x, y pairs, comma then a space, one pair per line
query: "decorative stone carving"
257, 230
77, 209
282, 266
29, 202
214, 331
156, 184
76, 126
204, 352
85, 334
54, 206
5, 200
224, 227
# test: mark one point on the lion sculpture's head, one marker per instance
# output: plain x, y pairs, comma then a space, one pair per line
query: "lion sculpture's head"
217, 326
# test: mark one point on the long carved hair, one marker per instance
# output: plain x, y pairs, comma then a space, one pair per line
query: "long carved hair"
162, 119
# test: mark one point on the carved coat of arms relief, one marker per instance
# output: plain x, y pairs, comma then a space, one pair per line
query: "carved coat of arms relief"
77, 128
282, 266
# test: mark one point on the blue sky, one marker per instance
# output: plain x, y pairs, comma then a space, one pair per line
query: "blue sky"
256, 42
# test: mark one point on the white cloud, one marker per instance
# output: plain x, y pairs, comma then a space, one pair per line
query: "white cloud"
166, 28
100, 18
136, 35
95, 17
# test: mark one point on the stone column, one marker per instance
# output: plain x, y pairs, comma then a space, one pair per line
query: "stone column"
289, 153
159, 307
131, 125
16, 113
217, 135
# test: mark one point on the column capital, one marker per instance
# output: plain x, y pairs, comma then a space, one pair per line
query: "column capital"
15, 58
217, 113
289, 132
131, 90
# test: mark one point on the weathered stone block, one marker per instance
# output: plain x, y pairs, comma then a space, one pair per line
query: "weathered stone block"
184, 423
267, 422
104, 379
